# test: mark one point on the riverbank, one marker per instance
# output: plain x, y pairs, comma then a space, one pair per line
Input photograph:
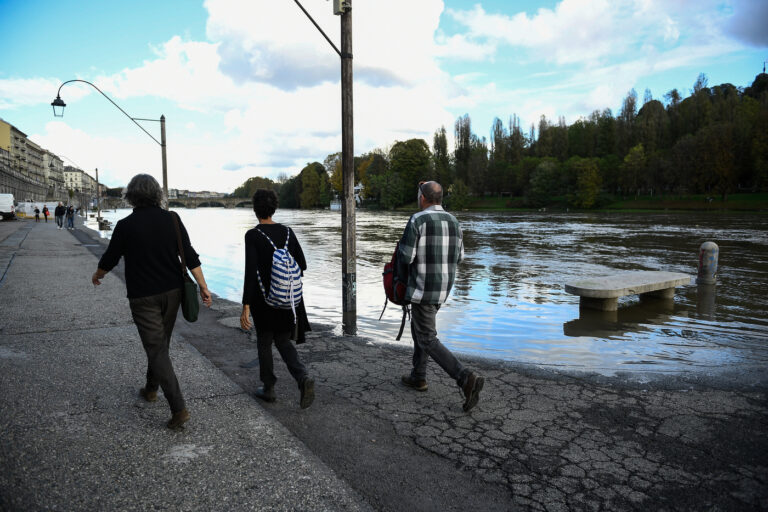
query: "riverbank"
757, 202
540, 439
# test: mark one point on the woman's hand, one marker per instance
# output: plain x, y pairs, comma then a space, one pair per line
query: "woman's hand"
205, 294
98, 276
245, 318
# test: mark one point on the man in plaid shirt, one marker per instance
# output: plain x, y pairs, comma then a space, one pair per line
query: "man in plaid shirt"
432, 246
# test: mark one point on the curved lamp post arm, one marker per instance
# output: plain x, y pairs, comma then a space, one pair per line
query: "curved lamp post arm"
58, 102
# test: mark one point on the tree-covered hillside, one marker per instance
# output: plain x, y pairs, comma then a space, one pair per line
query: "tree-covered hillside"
714, 141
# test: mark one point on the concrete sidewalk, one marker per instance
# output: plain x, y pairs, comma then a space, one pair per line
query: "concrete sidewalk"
74, 434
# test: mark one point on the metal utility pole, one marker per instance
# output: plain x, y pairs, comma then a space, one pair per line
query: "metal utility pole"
165, 160
343, 8
348, 231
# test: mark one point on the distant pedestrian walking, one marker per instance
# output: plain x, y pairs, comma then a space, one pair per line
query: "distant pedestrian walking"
70, 217
273, 324
45, 212
58, 213
432, 245
147, 240
37, 214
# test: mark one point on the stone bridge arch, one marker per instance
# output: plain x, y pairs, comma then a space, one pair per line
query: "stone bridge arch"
210, 202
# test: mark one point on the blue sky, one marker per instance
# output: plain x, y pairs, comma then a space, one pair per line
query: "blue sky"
251, 88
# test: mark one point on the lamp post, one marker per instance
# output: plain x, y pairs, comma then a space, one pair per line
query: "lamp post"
343, 8
98, 202
58, 111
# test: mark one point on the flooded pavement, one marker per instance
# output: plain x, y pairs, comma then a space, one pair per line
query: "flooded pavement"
509, 300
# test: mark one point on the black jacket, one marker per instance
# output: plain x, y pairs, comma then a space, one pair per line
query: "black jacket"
147, 240
258, 256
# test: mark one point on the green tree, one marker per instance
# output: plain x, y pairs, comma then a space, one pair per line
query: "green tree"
653, 126
458, 197
390, 187
606, 134
631, 170
717, 158
247, 189
372, 164
336, 177
410, 161
442, 159
478, 166
314, 186
462, 147
625, 124
289, 193
543, 182
588, 182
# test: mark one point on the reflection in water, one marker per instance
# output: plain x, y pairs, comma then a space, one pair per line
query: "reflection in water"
509, 301
706, 295
636, 318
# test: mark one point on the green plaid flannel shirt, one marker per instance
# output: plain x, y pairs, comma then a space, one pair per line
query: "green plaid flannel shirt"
432, 245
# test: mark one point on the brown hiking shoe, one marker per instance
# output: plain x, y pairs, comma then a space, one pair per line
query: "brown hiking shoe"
307, 388
471, 389
149, 396
178, 419
413, 383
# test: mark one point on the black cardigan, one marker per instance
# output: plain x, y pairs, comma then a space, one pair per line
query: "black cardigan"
147, 240
258, 255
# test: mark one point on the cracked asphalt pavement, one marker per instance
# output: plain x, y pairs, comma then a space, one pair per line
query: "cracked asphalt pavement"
538, 440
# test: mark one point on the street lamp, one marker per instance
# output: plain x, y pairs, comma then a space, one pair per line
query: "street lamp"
343, 8
58, 111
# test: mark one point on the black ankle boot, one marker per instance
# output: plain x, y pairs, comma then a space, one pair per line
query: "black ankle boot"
266, 393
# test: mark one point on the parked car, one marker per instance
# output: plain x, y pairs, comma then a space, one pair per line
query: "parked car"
7, 208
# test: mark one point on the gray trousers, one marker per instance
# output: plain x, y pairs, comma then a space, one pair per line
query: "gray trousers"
155, 317
426, 345
282, 340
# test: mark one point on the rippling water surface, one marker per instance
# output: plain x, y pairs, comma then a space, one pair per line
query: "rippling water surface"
509, 300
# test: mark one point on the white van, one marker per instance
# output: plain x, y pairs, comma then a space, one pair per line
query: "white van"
7, 209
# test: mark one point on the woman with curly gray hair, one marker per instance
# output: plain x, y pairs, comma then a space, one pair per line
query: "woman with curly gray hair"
147, 240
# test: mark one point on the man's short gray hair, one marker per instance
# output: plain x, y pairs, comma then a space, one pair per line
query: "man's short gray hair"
432, 192
143, 190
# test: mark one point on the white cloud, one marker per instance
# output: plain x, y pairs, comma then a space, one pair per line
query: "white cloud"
279, 45
273, 109
592, 31
460, 47
22, 92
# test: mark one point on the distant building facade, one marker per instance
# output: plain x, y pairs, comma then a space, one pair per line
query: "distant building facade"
21, 165
53, 166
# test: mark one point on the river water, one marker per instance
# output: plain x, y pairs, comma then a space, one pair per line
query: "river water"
509, 300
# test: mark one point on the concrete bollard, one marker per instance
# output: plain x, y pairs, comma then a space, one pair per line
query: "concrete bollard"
708, 254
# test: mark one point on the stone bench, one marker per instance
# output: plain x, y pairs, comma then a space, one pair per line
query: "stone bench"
602, 293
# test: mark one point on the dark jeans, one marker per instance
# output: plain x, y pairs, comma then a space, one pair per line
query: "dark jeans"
60, 221
154, 317
426, 345
71, 221
287, 351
